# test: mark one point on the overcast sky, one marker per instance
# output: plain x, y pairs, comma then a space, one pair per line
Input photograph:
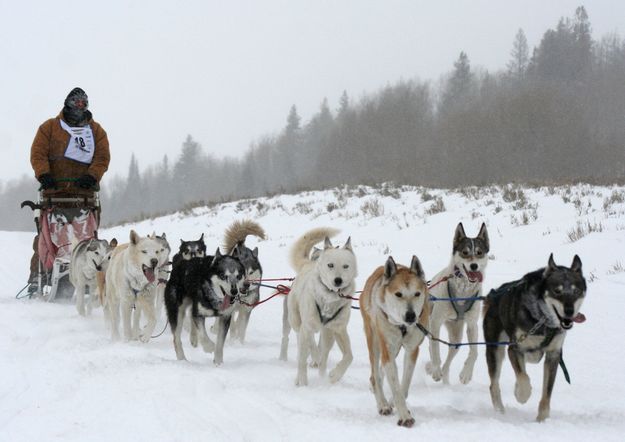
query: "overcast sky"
227, 72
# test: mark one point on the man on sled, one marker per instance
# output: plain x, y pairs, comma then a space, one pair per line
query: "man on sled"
69, 155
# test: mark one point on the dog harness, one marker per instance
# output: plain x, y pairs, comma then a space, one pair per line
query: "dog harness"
324, 320
461, 309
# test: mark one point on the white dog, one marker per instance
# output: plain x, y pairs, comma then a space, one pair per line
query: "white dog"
131, 280
462, 278
89, 257
318, 301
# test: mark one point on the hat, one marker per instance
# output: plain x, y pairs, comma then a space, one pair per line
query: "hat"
77, 100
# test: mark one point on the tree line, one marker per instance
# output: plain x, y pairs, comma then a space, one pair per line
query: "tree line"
552, 115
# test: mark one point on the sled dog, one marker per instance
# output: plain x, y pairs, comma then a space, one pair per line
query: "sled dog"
393, 302
534, 313
89, 257
318, 301
210, 287
462, 278
235, 237
131, 279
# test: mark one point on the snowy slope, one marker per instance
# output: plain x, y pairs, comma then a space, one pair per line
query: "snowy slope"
61, 378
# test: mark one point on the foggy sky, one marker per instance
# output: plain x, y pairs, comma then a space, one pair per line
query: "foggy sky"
228, 72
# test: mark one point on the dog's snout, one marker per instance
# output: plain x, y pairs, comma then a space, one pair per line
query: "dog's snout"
154, 262
338, 281
474, 267
569, 311
98, 268
411, 316
234, 290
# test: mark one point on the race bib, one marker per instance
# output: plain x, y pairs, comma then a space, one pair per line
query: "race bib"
81, 144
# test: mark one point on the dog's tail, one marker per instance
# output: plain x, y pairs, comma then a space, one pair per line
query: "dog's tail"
239, 231
300, 253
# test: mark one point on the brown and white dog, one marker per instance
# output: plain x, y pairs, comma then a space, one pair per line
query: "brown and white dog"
393, 302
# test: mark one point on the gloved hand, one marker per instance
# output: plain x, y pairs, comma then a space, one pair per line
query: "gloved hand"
86, 182
47, 181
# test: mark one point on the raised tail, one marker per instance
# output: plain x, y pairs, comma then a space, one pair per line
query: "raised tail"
300, 252
239, 231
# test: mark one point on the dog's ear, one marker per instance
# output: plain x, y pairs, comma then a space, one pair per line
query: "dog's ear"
327, 244
201, 238
255, 252
95, 234
416, 268
113, 242
459, 235
164, 236
134, 238
217, 253
551, 266
390, 268
315, 254
348, 244
235, 252
483, 235
577, 265
92, 247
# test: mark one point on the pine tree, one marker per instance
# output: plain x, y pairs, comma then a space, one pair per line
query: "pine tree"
517, 66
459, 84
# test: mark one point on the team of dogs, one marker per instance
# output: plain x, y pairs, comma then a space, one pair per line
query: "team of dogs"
532, 313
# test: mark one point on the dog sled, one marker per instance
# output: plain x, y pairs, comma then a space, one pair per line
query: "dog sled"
61, 221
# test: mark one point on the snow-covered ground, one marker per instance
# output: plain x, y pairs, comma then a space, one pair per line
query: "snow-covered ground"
61, 378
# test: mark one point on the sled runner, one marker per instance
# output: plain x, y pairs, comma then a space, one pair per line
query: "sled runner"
61, 221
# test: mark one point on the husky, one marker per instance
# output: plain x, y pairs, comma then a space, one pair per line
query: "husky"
462, 278
188, 251
235, 237
534, 313
210, 287
131, 281
319, 301
393, 302
89, 257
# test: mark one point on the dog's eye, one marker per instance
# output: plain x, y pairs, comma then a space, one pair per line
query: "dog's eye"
331, 265
557, 290
417, 294
346, 266
478, 252
465, 252
144, 251
97, 253
222, 276
399, 294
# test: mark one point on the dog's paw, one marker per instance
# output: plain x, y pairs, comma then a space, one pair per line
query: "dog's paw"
313, 364
385, 410
408, 422
193, 340
522, 389
436, 373
335, 376
300, 381
144, 337
218, 362
466, 375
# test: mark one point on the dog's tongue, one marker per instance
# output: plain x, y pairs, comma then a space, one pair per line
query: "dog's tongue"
579, 318
149, 273
226, 302
475, 276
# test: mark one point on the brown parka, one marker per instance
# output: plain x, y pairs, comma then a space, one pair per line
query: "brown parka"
48, 149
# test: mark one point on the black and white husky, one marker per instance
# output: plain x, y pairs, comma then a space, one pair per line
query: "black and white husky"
89, 257
210, 286
235, 238
534, 313
462, 278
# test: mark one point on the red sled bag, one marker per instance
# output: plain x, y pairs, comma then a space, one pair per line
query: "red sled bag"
60, 229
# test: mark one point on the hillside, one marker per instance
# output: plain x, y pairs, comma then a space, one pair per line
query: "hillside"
62, 378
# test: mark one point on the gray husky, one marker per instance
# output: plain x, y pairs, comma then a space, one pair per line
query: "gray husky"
235, 238
534, 313
462, 278
89, 257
